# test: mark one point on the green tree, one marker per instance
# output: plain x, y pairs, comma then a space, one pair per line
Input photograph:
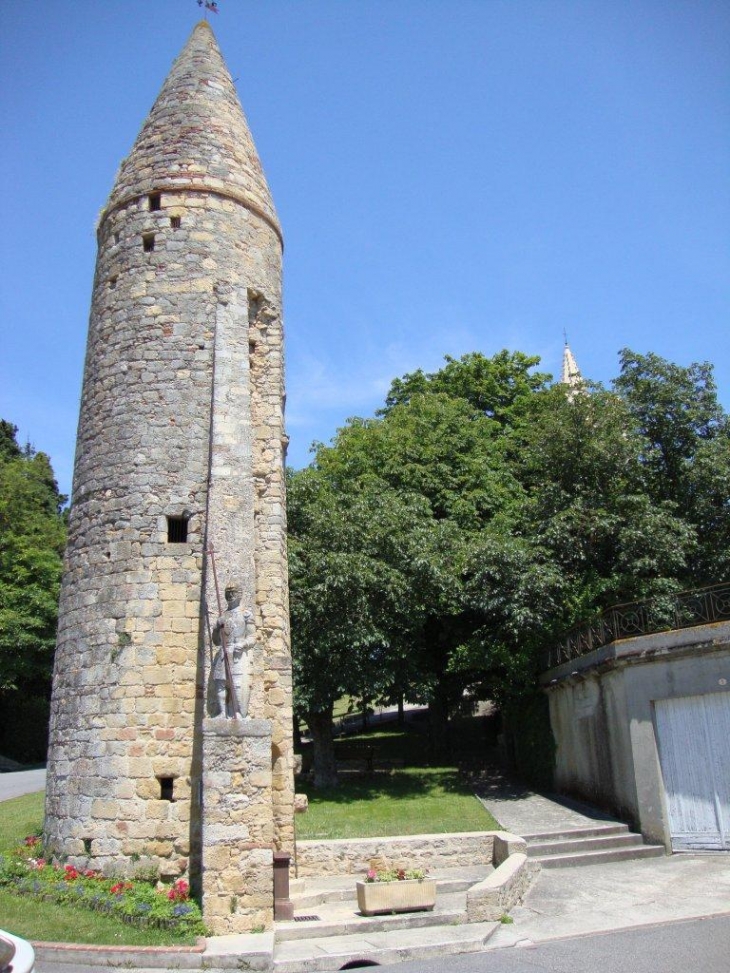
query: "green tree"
32, 538
496, 386
685, 448
581, 465
351, 603
512, 510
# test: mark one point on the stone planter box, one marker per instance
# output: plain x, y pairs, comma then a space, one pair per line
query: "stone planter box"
411, 895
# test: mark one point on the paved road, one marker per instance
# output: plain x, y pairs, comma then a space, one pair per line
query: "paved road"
21, 782
691, 946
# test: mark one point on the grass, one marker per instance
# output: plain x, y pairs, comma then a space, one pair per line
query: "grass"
19, 817
47, 921
418, 799
424, 800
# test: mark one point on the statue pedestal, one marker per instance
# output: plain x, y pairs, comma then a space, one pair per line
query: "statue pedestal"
237, 826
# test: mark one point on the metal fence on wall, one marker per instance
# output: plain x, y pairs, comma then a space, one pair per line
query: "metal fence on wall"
682, 610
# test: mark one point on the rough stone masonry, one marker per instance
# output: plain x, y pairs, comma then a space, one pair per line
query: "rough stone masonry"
180, 449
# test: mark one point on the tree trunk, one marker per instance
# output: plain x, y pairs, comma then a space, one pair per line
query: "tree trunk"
297, 735
401, 712
323, 748
438, 722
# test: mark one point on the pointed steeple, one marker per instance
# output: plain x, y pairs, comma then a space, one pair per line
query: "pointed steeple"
196, 136
571, 373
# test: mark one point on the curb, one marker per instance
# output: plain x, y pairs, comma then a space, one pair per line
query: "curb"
527, 943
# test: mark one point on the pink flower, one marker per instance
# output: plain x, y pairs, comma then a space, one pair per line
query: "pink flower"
179, 891
31, 841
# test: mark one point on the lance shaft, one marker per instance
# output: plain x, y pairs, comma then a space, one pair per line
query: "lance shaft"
235, 706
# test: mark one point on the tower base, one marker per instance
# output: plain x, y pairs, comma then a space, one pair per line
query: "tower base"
237, 826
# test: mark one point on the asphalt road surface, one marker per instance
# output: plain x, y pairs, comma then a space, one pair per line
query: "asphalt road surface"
689, 946
21, 782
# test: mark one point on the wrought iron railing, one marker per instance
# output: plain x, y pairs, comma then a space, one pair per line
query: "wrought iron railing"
681, 610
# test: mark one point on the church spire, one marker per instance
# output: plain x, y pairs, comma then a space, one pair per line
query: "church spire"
196, 136
571, 375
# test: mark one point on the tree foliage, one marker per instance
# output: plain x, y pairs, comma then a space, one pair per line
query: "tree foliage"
438, 548
32, 538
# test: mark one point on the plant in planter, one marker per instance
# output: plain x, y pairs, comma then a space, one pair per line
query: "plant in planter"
395, 890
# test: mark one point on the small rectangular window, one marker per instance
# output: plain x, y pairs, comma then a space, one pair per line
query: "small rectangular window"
177, 530
155, 200
167, 786
148, 242
175, 222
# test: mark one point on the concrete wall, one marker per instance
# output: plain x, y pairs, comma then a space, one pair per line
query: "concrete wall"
602, 716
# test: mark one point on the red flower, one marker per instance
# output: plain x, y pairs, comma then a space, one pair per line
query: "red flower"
120, 888
70, 873
179, 891
31, 841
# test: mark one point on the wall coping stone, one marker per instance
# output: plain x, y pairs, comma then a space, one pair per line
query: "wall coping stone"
642, 649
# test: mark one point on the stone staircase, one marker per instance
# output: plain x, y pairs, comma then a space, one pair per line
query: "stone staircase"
594, 845
328, 931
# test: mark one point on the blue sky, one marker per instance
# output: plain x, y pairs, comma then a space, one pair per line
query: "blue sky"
451, 176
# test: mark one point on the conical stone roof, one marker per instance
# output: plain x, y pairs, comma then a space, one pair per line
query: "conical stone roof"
571, 373
196, 135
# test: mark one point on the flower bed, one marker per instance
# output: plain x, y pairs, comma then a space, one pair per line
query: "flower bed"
138, 902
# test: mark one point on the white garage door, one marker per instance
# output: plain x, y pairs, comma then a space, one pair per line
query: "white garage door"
694, 750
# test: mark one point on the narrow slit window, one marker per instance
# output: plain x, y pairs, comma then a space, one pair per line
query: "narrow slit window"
177, 530
167, 786
148, 242
175, 222
112, 283
155, 200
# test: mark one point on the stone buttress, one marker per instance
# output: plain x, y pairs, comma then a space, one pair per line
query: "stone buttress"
180, 448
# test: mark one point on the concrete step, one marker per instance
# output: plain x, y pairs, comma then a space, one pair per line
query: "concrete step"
536, 849
593, 831
308, 900
566, 860
359, 925
383, 948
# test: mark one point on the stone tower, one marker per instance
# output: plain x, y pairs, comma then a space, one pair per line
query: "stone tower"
180, 449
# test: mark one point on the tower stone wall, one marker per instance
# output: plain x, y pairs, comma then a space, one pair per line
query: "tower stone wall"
180, 430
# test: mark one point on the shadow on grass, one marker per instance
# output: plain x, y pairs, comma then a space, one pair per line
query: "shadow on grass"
395, 785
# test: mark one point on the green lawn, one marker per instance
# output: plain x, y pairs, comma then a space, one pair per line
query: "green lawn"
19, 817
35, 920
421, 800
45, 921
409, 798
